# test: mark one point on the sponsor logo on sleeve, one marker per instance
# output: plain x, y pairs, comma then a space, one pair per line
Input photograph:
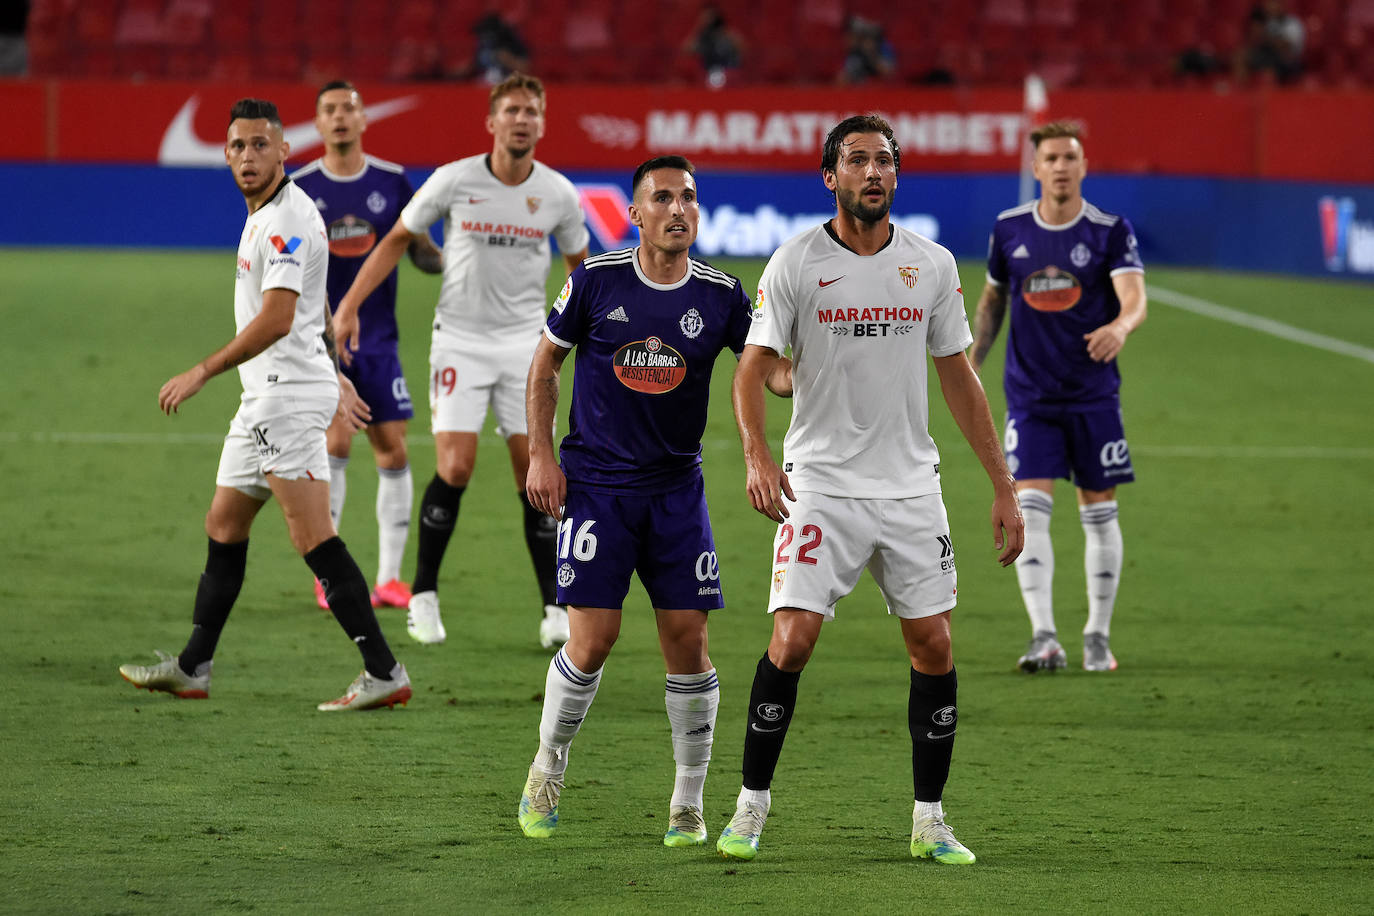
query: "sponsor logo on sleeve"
285, 246
757, 312
562, 301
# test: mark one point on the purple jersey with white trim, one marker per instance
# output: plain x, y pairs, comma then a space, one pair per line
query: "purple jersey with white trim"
645, 352
358, 211
1059, 283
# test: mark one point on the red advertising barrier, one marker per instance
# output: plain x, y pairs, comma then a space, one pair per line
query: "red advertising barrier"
1263, 134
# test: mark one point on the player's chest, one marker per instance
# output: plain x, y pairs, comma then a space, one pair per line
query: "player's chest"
502, 219
356, 217
888, 304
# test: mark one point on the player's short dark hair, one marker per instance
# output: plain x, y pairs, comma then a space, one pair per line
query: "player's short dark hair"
858, 124
660, 162
253, 109
513, 83
1054, 130
336, 84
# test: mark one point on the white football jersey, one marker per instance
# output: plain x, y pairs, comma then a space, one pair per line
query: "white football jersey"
283, 246
859, 328
496, 248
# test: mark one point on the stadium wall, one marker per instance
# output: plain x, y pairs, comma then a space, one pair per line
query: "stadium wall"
1237, 181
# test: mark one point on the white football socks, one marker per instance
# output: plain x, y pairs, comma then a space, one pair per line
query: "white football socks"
691, 701
1102, 555
568, 694
395, 497
338, 488
1035, 566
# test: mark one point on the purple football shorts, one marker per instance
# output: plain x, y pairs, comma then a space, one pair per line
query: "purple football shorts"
1088, 448
382, 384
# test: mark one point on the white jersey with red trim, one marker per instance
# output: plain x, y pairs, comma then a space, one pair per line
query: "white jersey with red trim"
859, 328
496, 248
283, 246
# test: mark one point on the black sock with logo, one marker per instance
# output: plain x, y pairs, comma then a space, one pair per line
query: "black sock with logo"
932, 716
541, 537
771, 700
438, 517
215, 596
346, 589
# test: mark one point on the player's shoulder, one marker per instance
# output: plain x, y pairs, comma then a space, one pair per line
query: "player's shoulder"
550, 177
1020, 211
908, 241
803, 245
701, 270
621, 258
1097, 216
384, 165
314, 168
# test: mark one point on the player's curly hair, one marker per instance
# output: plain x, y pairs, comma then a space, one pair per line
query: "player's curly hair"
858, 124
516, 81
252, 109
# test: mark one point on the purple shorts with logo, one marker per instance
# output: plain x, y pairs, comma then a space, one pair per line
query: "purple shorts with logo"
665, 537
1088, 448
382, 384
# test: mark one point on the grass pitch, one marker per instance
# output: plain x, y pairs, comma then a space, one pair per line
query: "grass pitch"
1223, 768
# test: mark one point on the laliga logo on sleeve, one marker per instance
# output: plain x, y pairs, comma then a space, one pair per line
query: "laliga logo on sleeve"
285, 246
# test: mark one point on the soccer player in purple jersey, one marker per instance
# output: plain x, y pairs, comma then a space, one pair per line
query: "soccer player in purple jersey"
648, 323
360, 197
1077, 289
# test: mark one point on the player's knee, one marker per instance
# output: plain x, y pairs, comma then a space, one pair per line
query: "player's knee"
394, 457
930, 650
790, 652
455, 472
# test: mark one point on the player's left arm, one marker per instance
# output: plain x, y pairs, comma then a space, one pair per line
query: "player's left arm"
352, 407
425, 255
572, 260
968, 404
271, 325
1106, 342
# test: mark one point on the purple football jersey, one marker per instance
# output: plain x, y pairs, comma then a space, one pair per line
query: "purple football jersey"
358, 211
642, 374
1059, 282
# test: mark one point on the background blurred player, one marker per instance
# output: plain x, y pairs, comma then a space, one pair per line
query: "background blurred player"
860, 302
1077, 287
499, 210
360, 198
648, 323
276, 441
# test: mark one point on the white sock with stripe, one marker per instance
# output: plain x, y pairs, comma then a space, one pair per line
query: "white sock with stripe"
1035, 566
568, 694
1102, 556
395, 497
338, 488
691, 701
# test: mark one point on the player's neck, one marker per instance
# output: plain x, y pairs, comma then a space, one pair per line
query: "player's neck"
256, 201
862, 237
344, 160
511, 169
1059, 212
663, 267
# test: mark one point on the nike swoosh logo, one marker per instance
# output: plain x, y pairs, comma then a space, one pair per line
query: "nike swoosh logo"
764, 731
825, 283
181, 146
935, 737
477, 200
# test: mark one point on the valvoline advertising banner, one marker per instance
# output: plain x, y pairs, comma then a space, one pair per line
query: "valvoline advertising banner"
1261, 134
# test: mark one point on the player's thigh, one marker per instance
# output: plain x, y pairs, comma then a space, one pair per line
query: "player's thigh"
1036, 446
914, 560
305, 506
284, 436
296, 464
508, 392
820, 551
597, 548
1101, 456
382, 384
460, 389
677, 551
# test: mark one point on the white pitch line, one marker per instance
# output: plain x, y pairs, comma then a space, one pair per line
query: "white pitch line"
1255, 323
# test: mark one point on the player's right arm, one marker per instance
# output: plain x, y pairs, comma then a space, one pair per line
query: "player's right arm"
425, 255
378, 266
987, 321
545, 484
765, 482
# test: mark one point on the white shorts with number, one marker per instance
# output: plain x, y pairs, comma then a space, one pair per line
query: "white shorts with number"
282, 436
820, 551
464, 384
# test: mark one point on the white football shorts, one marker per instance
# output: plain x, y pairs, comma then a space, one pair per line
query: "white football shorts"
820, 551
283, 436
464, 384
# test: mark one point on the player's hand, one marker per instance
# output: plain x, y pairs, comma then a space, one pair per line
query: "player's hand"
1008, 527
346, 334
546, 486
353, 410
1105, 342
766, 485
180, 388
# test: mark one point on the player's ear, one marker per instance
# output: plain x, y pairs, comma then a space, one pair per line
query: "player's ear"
491, 125
635, 218
828, 177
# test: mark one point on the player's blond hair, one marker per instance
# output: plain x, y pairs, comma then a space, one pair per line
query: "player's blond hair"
514, 83
1054, 131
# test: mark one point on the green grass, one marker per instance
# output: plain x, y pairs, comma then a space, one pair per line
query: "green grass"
1223, 768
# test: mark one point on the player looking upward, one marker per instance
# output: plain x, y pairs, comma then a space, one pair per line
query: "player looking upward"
360, 196
276, 442
499, 211
648, 323
861, 302
1076, 285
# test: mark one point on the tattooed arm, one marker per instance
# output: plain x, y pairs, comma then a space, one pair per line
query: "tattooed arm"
987, 321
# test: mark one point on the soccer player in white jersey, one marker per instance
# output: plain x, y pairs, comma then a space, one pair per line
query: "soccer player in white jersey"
499, 211
861, 301
360, 198
276, 441
1076, 284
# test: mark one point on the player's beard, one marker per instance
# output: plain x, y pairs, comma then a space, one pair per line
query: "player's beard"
853, 203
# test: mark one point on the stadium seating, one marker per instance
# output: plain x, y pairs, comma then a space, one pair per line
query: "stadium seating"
974, 42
